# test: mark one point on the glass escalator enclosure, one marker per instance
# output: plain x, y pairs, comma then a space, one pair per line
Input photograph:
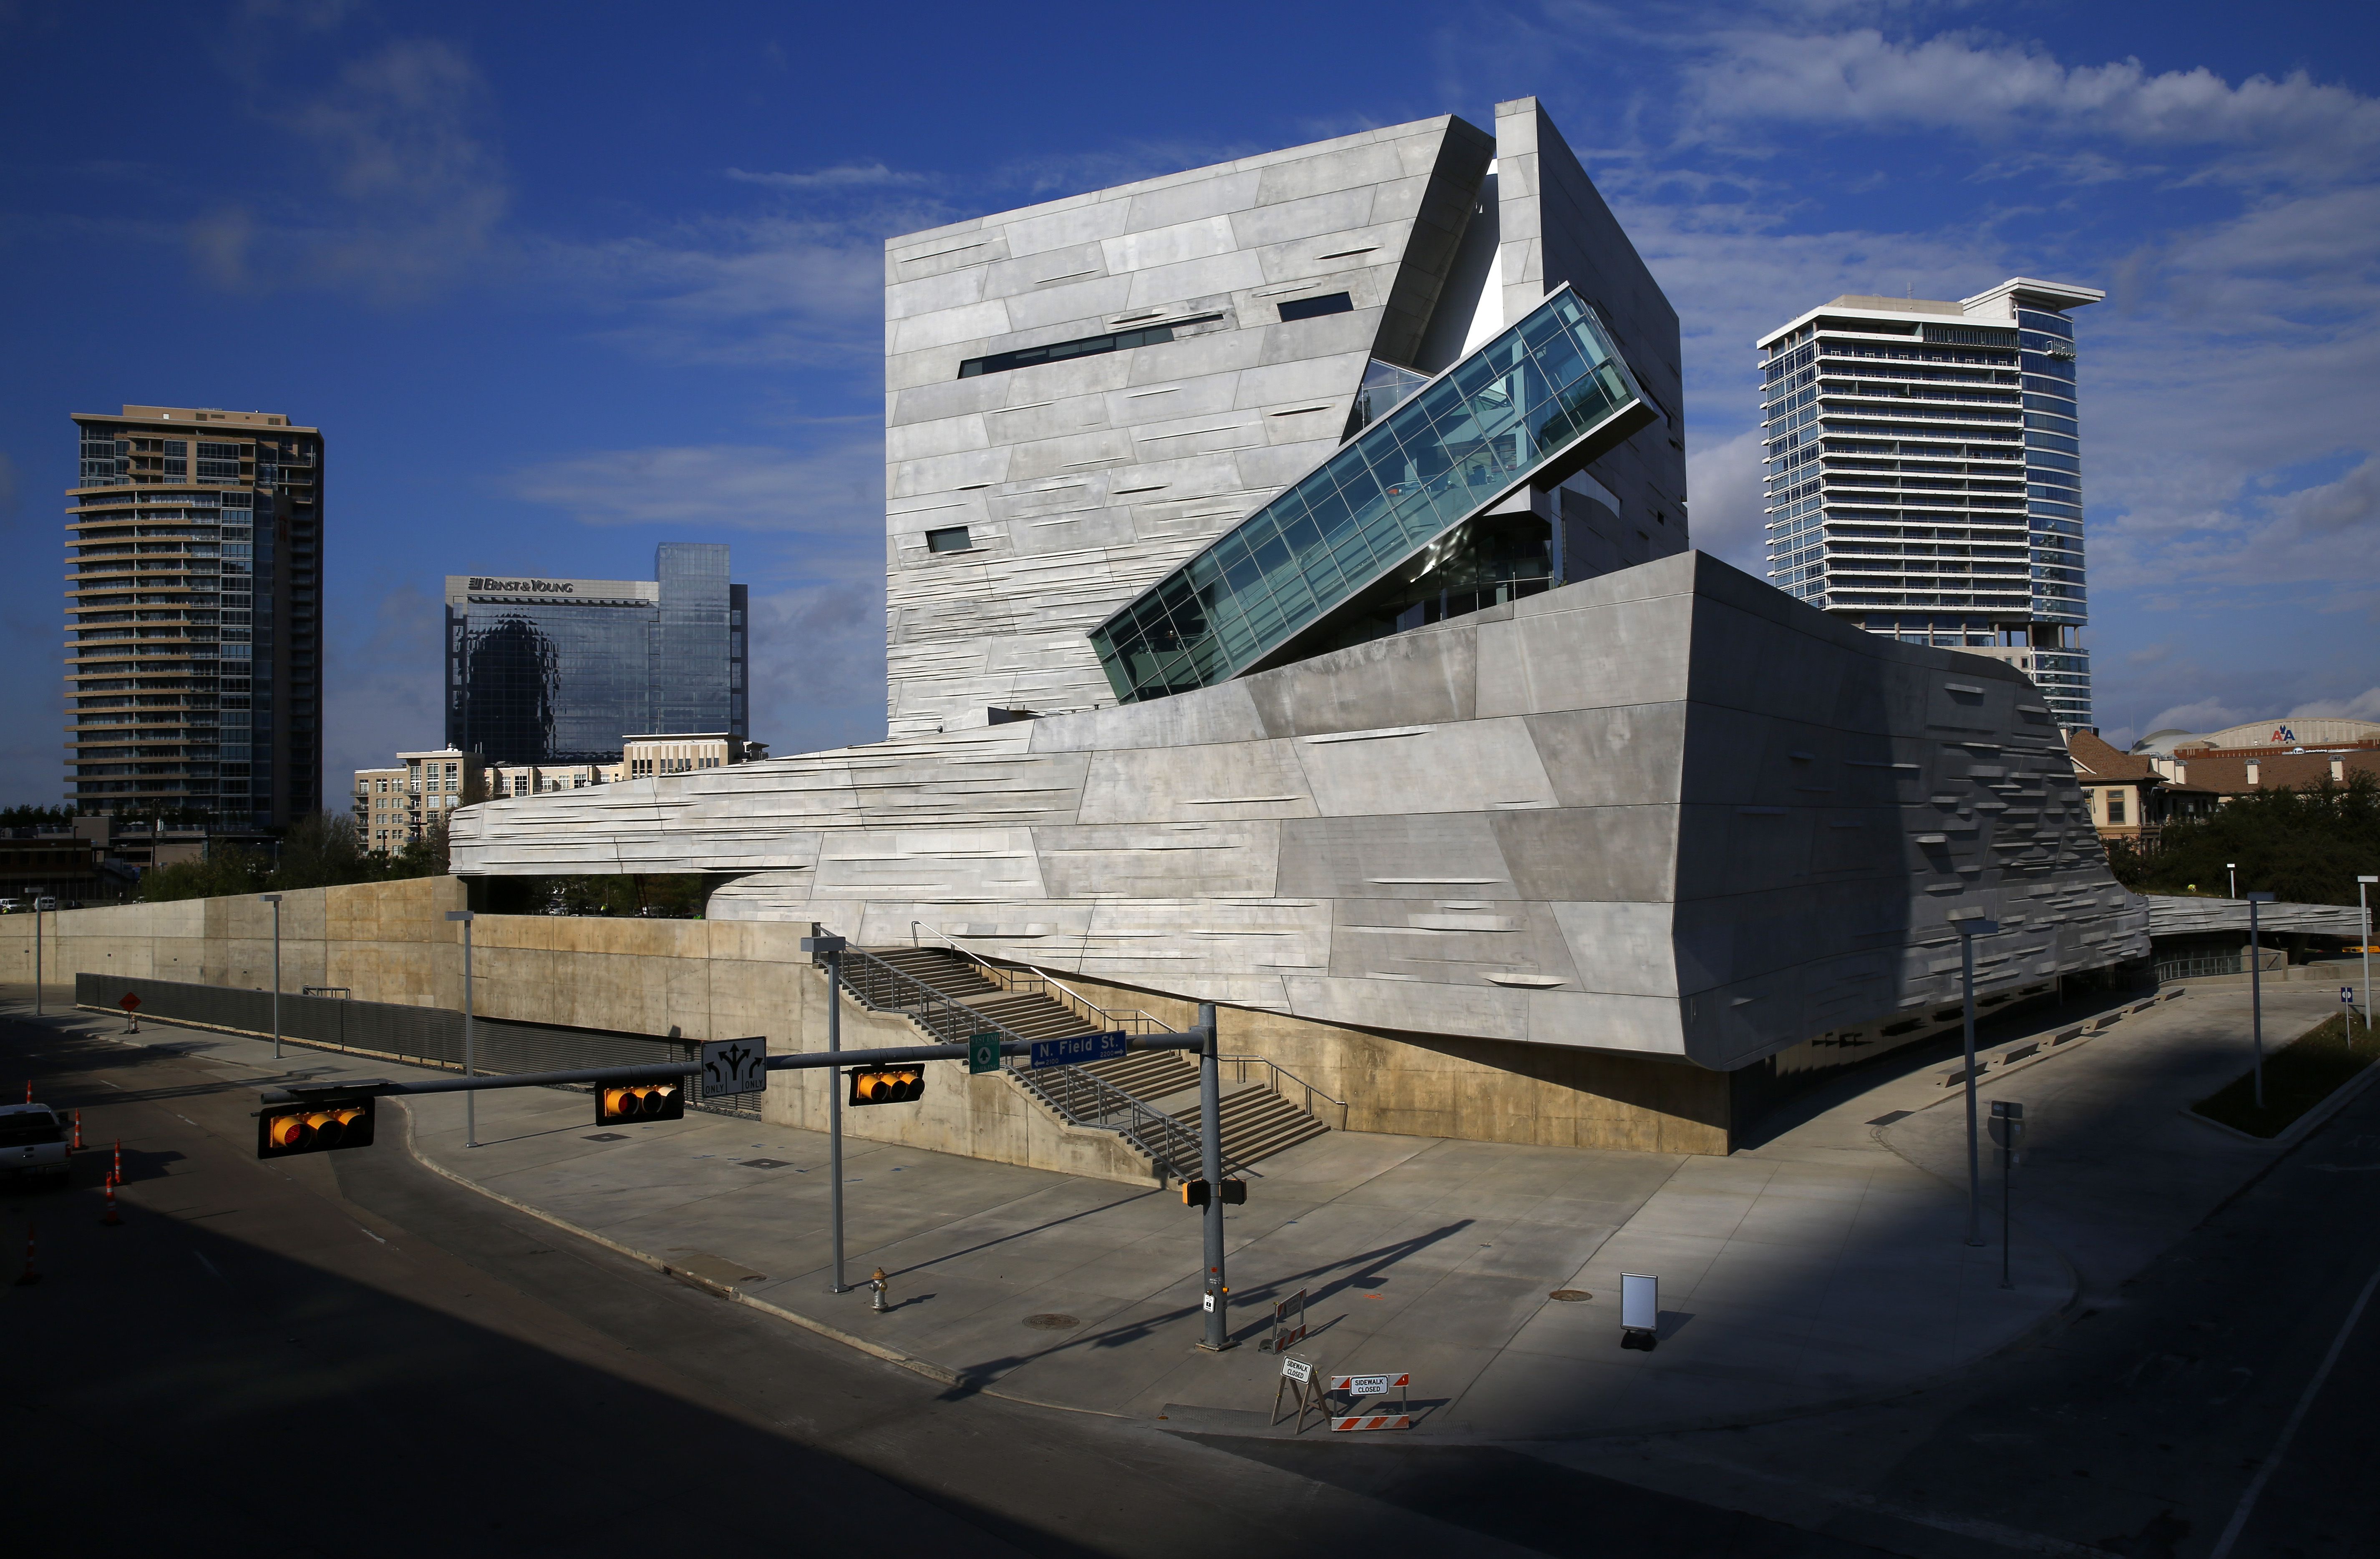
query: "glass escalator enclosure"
1534, 406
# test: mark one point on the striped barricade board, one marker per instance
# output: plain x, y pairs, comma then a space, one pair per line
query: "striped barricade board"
1361, 1388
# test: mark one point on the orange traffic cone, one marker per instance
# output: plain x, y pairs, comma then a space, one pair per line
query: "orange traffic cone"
111, 1220
78, 1139
28, 1275
117, 1173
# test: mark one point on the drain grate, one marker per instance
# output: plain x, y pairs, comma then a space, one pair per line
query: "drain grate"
609, 1137
761, 1162
1569, 1295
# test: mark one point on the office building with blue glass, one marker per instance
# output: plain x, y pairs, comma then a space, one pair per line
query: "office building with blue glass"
1924, 474
544, 671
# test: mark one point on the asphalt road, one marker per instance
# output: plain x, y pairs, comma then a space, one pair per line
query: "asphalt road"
346, 1352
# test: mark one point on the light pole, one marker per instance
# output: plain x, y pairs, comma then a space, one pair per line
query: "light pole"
1969, 929
274, 900
831, 950
470, 1095
2363, 918
1218, 1295
2231, 872
2256, 989
39, 905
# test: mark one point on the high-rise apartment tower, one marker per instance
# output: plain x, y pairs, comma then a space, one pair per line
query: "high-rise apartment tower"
1924, 479
194, 628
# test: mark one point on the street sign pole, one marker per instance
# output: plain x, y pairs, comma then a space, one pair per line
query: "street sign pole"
37, 957
1210, 1161
2008, 1132
830, 949
2363, 918
1969, 930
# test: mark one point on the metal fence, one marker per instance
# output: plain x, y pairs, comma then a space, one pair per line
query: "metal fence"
421, 1036
2212, 965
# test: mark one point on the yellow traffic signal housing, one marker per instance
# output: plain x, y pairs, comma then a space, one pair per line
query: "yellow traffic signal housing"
635, 1102
314, 1127
887, 1085
1194, 1193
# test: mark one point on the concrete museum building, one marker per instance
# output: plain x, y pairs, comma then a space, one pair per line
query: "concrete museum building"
1290, 606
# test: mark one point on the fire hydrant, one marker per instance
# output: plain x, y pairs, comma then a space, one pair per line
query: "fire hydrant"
878, 1284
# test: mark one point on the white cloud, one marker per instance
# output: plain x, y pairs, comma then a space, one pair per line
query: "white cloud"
2295, 127
412, 195
1724, 503
850, 176
386, 672
836, 491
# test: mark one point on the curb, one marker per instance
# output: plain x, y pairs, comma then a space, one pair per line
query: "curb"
2303, 1126
939, 1373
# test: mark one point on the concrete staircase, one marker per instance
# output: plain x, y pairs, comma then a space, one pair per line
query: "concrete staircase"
1255, 1121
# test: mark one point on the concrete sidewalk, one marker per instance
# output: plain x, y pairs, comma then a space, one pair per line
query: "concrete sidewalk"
1790, 1278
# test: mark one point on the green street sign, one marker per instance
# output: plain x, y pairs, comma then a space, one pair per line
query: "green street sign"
983, 1052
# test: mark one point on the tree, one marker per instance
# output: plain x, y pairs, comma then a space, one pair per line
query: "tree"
36, 818
2307, 846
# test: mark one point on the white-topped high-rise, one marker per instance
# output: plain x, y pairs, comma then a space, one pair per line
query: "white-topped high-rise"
1924, 474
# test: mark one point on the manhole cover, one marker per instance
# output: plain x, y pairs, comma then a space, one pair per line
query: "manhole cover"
761, 1162
609, 1137
1050, 1323
1569, 1295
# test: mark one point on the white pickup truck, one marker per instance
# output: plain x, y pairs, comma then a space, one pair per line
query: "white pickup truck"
33, 1141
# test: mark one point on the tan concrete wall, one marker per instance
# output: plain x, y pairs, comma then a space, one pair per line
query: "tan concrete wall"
720, 979
1494, 1090
701, 979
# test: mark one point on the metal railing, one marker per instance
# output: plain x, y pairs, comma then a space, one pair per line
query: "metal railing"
1079, 1098
1282, 1079
1025, 980
2215, 965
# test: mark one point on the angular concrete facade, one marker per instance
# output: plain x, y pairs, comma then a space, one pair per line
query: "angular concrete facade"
1079, 482
1666, 812
1591, 866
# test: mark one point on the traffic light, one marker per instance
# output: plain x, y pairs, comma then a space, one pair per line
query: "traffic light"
313, 1126
1194, 1193
634, 1103
887, 1085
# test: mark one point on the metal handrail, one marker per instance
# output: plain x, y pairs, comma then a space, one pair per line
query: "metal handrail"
1164, 1139
1281, 1074
1139, 1021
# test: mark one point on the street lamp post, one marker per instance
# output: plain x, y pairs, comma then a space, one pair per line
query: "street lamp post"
470, 1095
274, 900
2363, 918
2231, 872
1969, 929
2256, 989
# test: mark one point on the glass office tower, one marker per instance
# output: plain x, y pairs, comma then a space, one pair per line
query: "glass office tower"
563, 671
1924, 474
194, 628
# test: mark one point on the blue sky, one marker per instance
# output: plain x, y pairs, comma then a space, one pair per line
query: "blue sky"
562, 281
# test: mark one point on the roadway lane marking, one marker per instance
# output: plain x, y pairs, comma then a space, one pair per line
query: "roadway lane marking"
2288, 1430
369, 1235
210, 1268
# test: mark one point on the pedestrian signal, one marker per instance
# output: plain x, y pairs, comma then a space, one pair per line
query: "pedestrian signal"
283, 1129
1194, 1193
887, 1085
632, 1102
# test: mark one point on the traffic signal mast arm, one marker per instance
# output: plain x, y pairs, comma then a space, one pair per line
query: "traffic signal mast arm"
662, 1070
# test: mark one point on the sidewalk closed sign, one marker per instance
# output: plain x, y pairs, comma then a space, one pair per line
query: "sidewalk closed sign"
735, 1066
